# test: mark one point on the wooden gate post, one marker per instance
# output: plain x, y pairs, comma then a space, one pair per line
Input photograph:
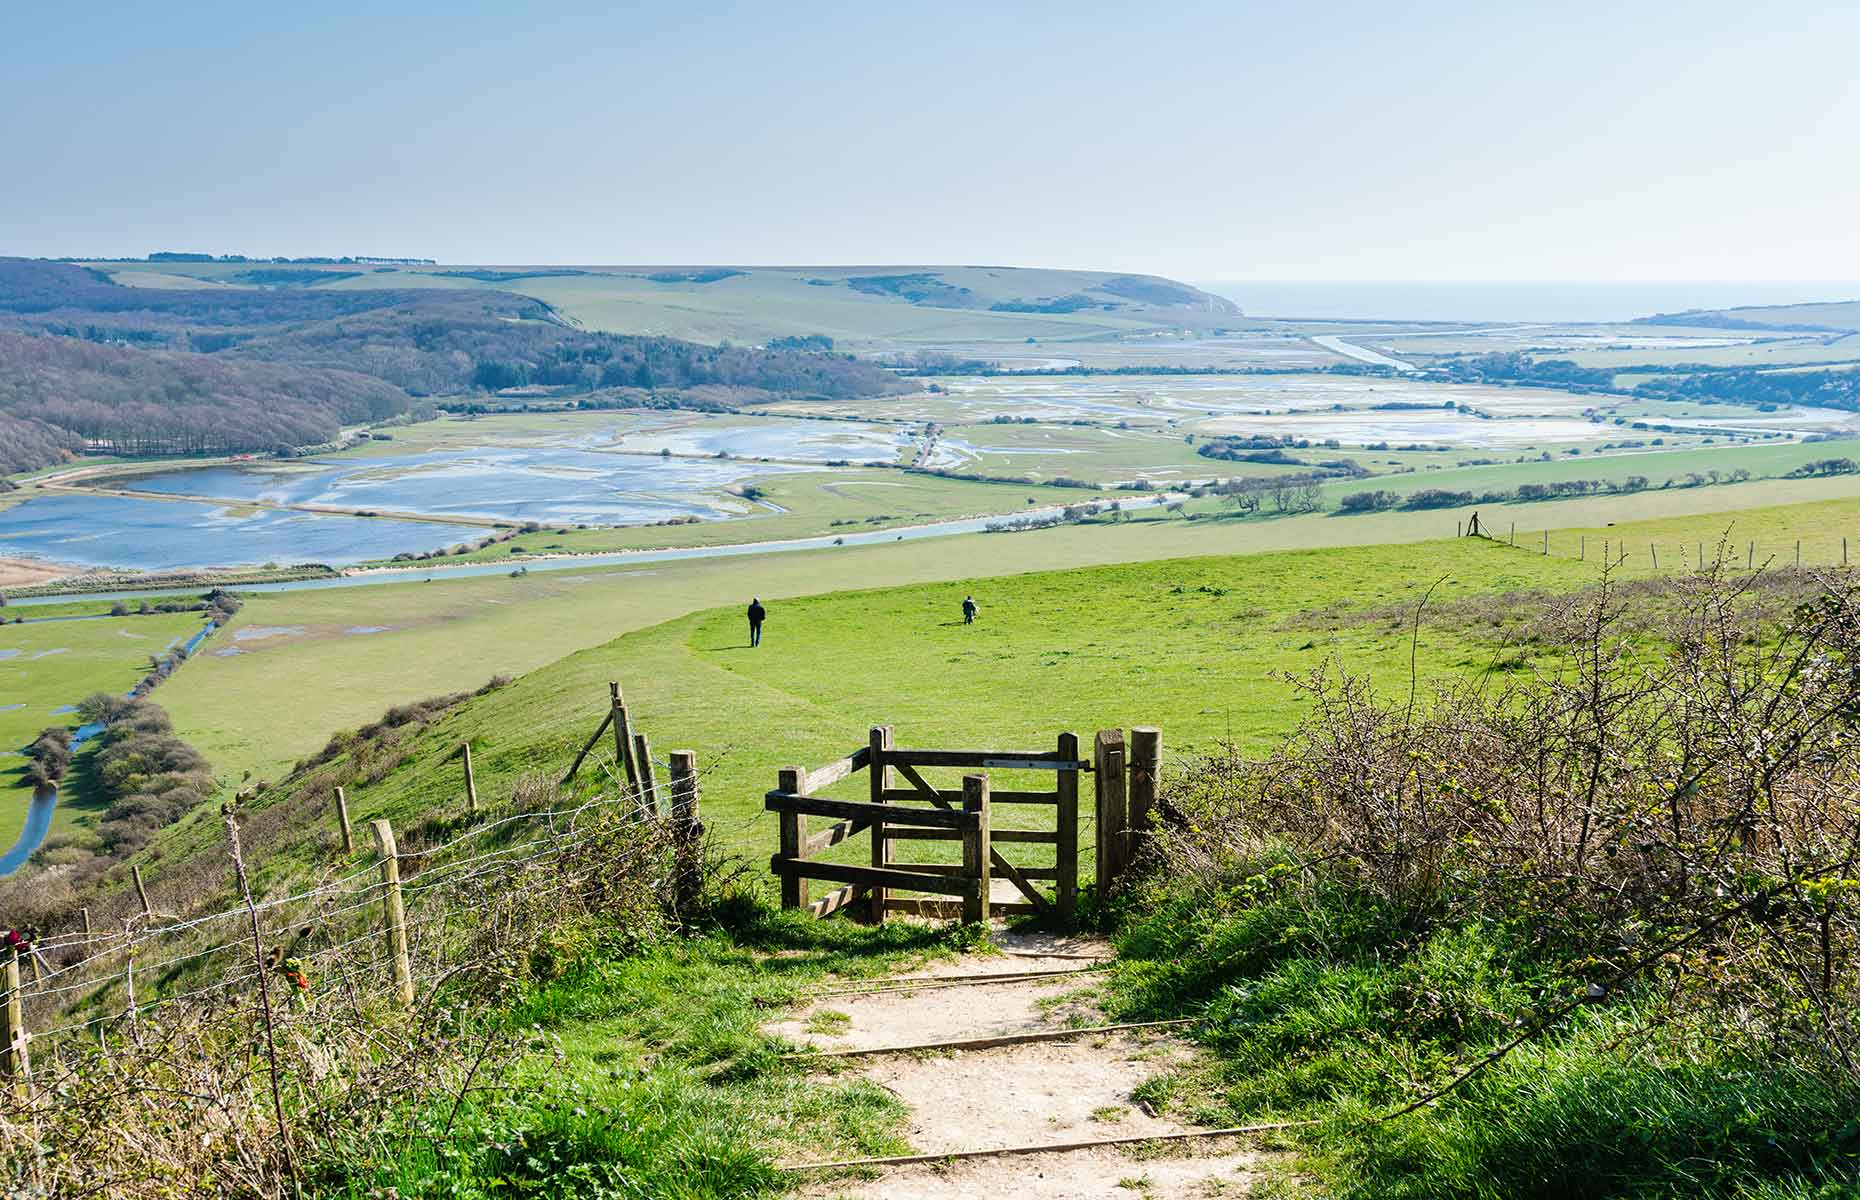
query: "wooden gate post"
975, 848
1145, 763
687, 830
1113, 820
395, 912
342, 822
1067, 887
878, 742
15, 1061
471, 782
793, 838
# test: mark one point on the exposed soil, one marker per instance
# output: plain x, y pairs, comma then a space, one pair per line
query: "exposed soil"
24, 572
1032, 1094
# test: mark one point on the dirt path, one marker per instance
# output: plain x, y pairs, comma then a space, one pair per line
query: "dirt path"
1029, 1094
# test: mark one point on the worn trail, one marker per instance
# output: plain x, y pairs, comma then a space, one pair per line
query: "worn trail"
1008, 1098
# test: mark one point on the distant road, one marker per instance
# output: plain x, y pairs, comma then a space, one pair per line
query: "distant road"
1337, 345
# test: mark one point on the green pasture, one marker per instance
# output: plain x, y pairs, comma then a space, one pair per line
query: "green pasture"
285, 694
1208, 648
47, 665
1656, 464
1201, 647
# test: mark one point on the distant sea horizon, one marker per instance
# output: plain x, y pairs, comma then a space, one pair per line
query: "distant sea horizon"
1549, 302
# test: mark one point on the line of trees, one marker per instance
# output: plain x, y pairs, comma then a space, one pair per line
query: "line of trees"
61, 393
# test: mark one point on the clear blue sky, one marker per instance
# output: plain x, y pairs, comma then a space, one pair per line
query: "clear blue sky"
1202, 140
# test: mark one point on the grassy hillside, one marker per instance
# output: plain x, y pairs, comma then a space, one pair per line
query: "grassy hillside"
856, 305
1323, 997
1199, 646
318, 672
1833, 314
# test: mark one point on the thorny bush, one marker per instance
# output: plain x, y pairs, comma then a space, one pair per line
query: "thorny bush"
1676, 809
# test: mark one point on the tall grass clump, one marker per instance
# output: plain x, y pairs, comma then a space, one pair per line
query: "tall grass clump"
1590, 931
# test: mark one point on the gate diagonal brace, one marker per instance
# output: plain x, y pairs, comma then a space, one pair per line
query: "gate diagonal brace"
1007, 868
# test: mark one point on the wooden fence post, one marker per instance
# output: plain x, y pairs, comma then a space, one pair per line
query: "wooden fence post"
1108, 774
129, 979
15, 1061
975, 846
471, 783
623, 739
85, 912
1067, 886
142, 893
687, 831
342, 821
1655, 551
1798, 552
879, 740
395, 912
648, 781
793, 838
1582, 548
1546, 543
1145, 763
1750, 556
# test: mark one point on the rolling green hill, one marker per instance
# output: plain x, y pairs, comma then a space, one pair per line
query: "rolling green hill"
858, 307
1827, 315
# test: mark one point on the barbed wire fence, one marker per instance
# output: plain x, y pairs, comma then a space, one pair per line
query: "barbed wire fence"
390, 932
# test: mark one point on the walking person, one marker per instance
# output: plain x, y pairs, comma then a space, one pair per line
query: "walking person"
756, 615
968, 610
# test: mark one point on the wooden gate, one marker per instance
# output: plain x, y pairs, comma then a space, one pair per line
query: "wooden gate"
903, 806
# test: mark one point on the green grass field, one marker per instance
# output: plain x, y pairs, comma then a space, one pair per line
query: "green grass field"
49, 665
284, 695
1202, 647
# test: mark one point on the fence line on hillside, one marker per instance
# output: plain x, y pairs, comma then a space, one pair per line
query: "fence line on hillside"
1684, 554
435, 892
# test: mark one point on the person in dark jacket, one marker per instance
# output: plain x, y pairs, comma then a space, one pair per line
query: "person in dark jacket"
756, 614
968, 610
